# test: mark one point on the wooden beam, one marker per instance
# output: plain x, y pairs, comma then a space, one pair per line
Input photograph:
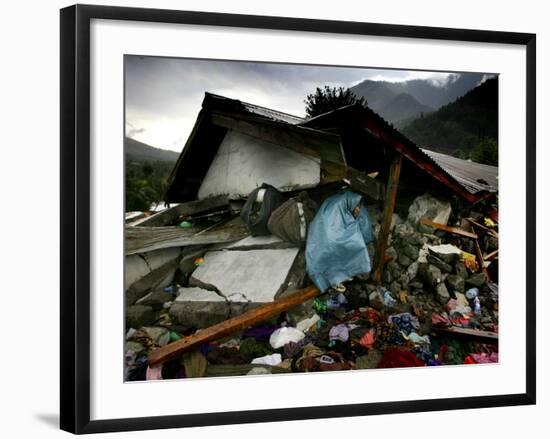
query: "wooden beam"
391, 195
449, 229
379, 128
482, 227
357, 180
228, 327
491, 256
488, 336
479, 255
190, 208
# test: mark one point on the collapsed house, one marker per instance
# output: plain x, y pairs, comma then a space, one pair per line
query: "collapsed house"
197, 264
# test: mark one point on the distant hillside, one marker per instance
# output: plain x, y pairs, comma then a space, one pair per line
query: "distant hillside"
425, 92
141, 152
457, 128
402, 109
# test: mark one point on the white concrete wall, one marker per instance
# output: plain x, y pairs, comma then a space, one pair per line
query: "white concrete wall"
243, 163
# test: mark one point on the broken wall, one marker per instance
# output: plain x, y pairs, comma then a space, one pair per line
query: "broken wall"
243, 163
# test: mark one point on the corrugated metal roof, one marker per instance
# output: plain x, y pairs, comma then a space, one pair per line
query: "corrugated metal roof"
253, 109
473, 176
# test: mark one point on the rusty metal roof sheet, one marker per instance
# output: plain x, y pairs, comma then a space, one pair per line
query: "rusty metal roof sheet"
475, 177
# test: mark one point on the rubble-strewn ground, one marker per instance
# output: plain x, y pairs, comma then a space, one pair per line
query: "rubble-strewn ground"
430, 283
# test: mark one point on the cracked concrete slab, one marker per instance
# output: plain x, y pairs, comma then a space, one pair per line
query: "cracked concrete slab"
255, 274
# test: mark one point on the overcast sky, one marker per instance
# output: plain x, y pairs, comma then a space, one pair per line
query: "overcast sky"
164, 95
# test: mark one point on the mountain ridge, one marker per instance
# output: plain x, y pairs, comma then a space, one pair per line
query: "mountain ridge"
135, 150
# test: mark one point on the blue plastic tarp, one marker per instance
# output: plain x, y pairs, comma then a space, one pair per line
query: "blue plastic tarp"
336, 246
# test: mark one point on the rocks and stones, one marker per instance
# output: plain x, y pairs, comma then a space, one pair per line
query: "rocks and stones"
376, 300
429, 274
404, 260
133, 346
477, 279
416, 285
404, 279
410, 251
412, 270
391, 253
395, 287
416, 239
394, 268
427, 206
199, 308
460, 270
159, 336
439, 263
455, 282
448, 253
442, 293
256, 274
139, 315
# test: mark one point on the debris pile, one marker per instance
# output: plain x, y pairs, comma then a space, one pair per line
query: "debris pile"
199, 307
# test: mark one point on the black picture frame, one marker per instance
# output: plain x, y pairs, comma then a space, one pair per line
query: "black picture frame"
75, 217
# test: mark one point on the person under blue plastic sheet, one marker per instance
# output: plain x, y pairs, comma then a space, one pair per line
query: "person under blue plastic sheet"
336, 246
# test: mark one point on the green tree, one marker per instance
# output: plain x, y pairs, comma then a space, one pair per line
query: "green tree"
329, 99
486, 151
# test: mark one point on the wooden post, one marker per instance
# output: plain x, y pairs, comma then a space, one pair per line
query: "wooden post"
391, 195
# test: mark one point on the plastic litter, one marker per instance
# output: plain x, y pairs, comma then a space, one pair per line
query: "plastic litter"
186, 224
417, 339
305, 324
388, 299
285, 335
268, 360
336, 247
471, 293
477, 306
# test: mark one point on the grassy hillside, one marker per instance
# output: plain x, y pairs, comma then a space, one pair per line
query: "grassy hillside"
147, 171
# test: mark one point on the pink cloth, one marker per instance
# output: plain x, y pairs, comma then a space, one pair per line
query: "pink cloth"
153, 373
485, 358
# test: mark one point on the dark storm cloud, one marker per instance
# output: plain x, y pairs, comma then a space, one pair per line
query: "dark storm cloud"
163, 95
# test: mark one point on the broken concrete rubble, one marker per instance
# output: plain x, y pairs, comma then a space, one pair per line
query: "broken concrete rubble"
427, 206
199, 308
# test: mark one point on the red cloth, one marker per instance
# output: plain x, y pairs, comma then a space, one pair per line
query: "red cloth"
368, 339
396, 357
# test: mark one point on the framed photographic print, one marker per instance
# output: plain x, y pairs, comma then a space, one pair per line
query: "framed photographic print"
257, 209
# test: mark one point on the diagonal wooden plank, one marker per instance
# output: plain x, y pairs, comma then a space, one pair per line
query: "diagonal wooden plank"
220, 330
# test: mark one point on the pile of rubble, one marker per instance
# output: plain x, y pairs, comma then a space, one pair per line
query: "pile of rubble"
437, 302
